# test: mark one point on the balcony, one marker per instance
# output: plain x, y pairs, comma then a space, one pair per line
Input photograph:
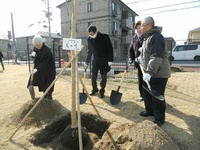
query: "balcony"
127, 24
126, 39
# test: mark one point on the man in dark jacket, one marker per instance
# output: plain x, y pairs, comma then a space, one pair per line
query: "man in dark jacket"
1, 60
100, 46
133, 52
154, 60
44, 66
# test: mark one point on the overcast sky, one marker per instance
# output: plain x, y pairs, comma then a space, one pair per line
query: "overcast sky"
176, 20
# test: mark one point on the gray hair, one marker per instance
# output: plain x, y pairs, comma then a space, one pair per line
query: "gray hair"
149, 20
37, 40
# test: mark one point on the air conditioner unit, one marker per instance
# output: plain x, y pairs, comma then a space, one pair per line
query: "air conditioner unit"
114, 13
114, 32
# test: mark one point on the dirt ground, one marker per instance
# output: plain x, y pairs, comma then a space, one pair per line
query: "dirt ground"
127, 131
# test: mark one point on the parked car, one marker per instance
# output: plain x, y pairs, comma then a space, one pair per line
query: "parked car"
186, 52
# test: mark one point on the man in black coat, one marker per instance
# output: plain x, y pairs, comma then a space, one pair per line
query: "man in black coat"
44, 66
100, 46
1, 60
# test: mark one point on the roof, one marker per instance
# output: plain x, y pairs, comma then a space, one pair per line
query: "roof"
197, 29
3, 37
128, 8
43, 34
124, 5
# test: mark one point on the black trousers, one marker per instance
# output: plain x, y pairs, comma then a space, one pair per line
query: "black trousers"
2, 65
96, 67
152, 104
140, 79
102, 82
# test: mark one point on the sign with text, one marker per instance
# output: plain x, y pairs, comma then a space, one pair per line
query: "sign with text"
71, 44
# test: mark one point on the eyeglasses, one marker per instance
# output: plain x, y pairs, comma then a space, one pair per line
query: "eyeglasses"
144, 25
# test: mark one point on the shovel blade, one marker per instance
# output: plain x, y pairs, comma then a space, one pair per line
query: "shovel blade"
31, 91
82, 98
155, 94
115, 97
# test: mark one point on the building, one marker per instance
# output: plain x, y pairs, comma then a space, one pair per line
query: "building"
194, 36
112, 17
170, 43
4, 45
24, 44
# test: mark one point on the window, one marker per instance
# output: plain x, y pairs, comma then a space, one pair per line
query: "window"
77, 27
186, 48
114, 44
133, 19
89, 24
114, 7
114, 25
89, 7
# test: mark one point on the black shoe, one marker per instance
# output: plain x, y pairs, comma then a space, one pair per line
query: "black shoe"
159, 123
102, 93
146, 114
93, 92
48, 96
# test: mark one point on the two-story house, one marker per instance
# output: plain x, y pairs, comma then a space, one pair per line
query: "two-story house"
5, 46
194, 36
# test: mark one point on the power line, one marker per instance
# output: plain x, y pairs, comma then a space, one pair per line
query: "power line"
167, 6
170, 10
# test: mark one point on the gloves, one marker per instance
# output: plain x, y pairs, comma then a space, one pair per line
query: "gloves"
146, 77
129, 60
85, 64
33, 54
140, 49
34, 71
109, 63
137, 60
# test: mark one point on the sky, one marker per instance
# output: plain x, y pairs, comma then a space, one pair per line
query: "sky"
177, 17
29, 16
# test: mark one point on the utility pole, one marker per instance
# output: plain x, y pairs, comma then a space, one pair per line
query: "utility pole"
49, 21
13, 38
48, 16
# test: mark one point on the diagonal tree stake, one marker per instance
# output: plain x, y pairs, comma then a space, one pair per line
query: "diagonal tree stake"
47, 90
107, 131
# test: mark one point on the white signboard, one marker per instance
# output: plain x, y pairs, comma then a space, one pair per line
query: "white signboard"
72, 44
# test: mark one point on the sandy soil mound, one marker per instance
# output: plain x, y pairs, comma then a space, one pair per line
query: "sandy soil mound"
44, 113
145, 135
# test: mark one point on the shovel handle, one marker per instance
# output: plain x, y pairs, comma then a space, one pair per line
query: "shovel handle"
118, 88
32, 72
147, 82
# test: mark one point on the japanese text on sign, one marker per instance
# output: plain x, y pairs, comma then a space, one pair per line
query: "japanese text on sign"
71, 44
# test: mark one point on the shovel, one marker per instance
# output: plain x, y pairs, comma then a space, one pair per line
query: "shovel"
83, 96
150, 91
31, 87
115, 96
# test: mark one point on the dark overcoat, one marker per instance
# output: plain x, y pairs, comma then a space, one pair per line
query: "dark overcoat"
1, 56
102, 50
133, 52
45, 64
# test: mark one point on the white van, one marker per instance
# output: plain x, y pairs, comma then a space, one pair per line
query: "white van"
186, 52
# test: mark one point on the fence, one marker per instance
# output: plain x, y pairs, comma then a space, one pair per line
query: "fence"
117, 69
